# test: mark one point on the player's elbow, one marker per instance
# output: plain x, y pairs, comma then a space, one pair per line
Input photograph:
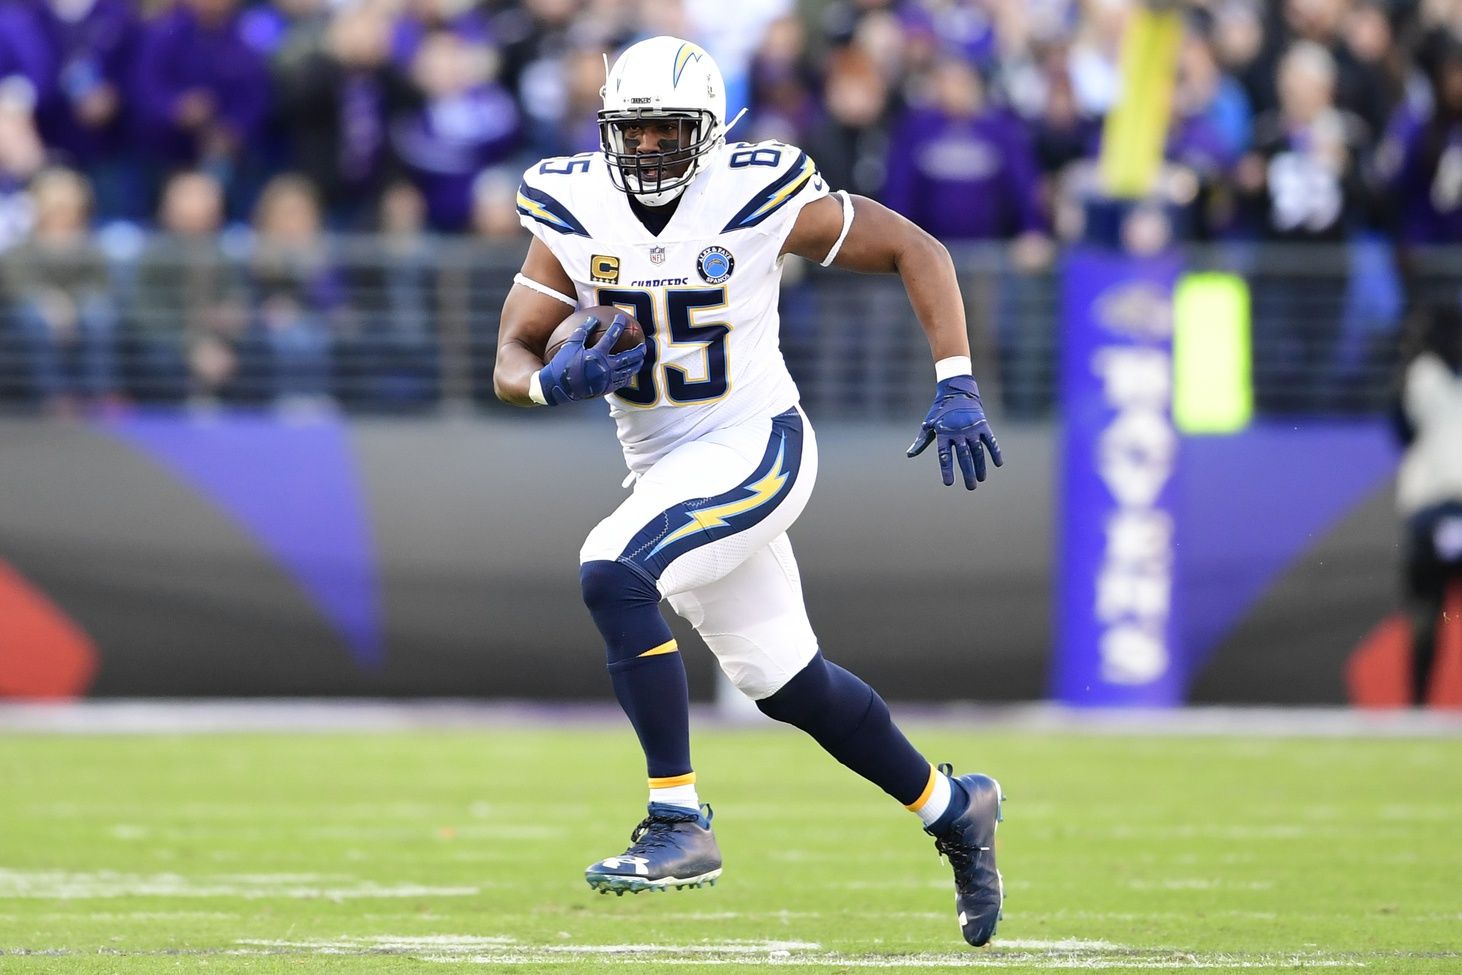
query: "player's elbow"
921, 250
498, 389
504, 384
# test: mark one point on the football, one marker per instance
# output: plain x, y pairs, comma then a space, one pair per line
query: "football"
632, 335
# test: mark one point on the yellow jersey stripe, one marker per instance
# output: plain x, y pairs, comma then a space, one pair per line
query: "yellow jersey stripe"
537, 209
788, 191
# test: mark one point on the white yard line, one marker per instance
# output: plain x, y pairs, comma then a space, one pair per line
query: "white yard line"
1069, 953
65, 885
173, 716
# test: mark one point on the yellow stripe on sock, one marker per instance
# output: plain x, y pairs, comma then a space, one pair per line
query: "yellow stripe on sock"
669, 646
671, 781
918, 803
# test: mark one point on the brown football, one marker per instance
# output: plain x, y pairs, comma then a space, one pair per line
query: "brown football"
632, 335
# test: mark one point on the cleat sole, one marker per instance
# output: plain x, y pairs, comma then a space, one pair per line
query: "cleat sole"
620, 885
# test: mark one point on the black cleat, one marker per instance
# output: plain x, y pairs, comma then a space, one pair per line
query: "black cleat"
969, 845
671, 847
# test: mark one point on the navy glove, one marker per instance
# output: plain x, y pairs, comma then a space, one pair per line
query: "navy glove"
957, 421
579, 372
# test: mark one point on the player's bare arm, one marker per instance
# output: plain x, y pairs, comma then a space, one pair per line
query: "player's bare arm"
863, 235
881, 241
581, 368
528, 318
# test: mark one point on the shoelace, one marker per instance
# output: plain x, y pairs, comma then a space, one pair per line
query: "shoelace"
653, 832
960, 855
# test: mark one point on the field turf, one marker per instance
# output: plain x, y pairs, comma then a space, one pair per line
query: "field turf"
427, 852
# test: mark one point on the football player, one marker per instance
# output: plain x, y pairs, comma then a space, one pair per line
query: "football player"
688, 233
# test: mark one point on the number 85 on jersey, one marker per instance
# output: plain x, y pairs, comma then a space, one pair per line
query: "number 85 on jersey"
686, 356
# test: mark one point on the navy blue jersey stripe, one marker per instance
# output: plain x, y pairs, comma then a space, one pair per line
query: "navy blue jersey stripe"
774, 196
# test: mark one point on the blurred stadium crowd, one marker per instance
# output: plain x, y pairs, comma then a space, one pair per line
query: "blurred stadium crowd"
175, 174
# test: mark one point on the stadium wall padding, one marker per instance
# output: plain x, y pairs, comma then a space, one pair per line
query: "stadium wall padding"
255, 556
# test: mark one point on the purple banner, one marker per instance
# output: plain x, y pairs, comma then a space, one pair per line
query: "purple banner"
1116, 627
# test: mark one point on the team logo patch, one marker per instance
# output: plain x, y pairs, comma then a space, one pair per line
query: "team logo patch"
657, 255
715, 265
604, 269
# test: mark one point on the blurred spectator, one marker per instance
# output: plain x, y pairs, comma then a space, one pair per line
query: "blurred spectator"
1421, 159
966, 29
960, 169
1063, 134
535, 38
1371, 45
1302, 176
21, 156
730, 40
1238, 41
1208, 131
200, 91
1360, 86
782, 105
495, 206
850, 142
58, 290
578, 129
337, 102
26, 58
1302, 184
421, 18
1429, 484
297, 293
1095, 60
26, 70
283, 31
189, 309
467, 122
1205, 91
387, 358
91, 43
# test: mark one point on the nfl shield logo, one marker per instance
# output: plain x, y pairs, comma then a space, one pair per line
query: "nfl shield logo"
657, 255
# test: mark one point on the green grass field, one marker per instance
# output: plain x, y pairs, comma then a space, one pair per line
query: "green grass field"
434, 851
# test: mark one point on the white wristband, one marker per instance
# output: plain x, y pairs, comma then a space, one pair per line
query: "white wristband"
544, 289
955, 365
535, 390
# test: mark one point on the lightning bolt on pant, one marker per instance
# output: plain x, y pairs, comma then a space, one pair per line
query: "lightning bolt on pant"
706, 527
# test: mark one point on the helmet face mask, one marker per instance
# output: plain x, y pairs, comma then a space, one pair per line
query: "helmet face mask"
655, 153
664, 114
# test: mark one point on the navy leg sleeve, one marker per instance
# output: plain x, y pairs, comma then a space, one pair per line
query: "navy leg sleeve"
848, 719
644, 664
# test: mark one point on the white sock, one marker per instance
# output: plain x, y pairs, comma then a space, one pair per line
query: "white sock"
680, 795
938, 800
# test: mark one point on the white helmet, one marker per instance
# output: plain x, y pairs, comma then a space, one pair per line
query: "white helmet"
661, 79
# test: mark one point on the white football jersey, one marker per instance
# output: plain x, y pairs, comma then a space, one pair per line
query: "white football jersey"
705, 289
